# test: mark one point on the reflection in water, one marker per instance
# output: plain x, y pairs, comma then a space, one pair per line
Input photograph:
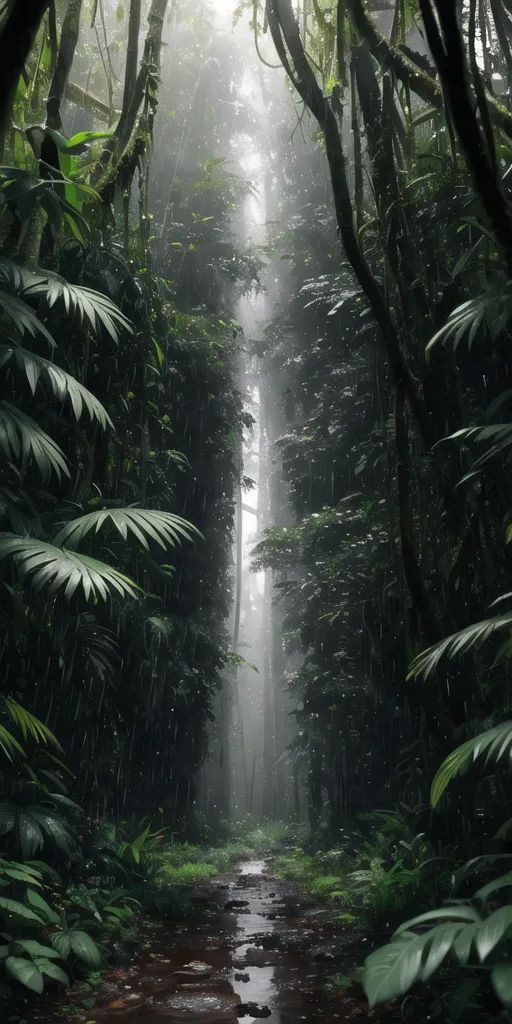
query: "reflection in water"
249, 949
252, 867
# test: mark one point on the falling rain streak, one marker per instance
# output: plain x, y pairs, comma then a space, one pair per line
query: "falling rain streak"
255, 511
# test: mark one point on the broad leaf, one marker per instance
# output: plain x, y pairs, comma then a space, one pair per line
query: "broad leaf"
501, 978
62, 943
53, 971
40, 904
492, 931
392, 970
85, 948
459, 912
25, 972
19, 909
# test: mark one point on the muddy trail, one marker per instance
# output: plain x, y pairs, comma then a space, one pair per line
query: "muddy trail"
251, 948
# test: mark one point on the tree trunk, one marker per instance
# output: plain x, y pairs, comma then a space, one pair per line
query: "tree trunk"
16, 41
67, 47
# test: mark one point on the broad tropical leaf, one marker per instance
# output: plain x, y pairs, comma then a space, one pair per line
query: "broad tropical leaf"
23, 192
22, 438
409, 958
501, 978
494, 745
63, 385
78, 942
392, 970
460, 912
164, 528
54, 569
44, 908
25, 972
492, 931
19, 909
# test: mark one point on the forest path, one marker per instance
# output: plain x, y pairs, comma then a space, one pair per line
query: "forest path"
253, 948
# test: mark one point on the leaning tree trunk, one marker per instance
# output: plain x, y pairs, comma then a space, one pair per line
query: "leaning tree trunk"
65, 57
16, 41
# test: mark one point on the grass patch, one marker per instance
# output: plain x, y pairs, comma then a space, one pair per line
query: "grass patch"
176, 865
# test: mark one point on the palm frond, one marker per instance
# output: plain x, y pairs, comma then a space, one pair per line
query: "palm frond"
165, 528
87, 305
98, 645
18, 314
52, 569
63, 385
489, 313
494, 745
498, 435
30, 726
22, 438
458, 644
9, 744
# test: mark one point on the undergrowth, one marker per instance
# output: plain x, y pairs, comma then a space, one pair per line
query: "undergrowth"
369, 877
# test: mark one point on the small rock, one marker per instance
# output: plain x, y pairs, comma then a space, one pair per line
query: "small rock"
234, 904
252, 1010
242, 977
323, 954
195, 969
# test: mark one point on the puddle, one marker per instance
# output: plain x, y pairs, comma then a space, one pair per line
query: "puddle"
253, 867
250, 953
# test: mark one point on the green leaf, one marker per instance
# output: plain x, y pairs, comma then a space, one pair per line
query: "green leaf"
53, 971
81, 139
85, 948
440, 945
34, 948
463, 943
31, 836
62, 384
458, 644
52, 569
62, 943
392, 970
20, 316
503, 882
492, 931
30, 726
39, 903
25, 972
9, 745
495, 744
21, 438
165, 528
19, 909
501, 978
460, 912
89, 306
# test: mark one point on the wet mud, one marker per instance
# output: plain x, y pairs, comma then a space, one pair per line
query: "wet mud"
252, 949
